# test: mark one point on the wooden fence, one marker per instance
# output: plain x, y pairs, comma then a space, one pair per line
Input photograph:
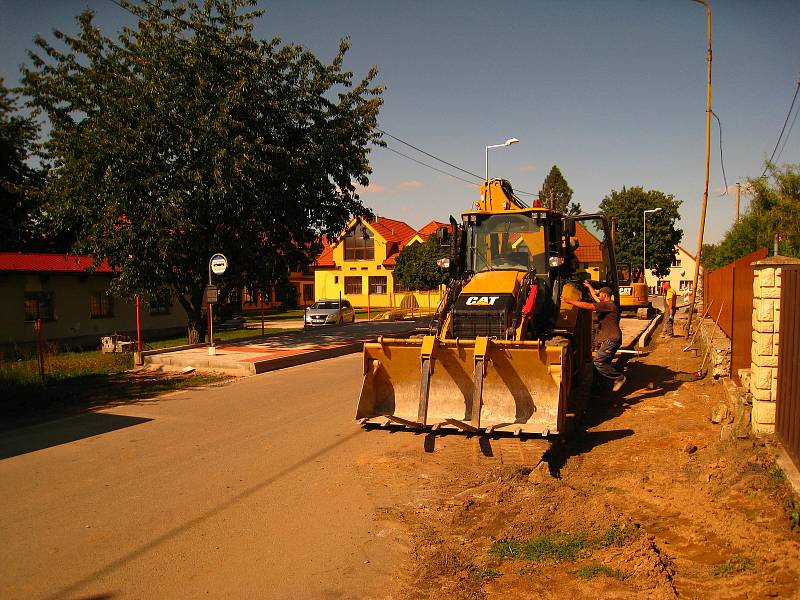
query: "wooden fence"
730, 288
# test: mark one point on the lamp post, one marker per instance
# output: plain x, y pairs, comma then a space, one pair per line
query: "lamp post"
644, 240
508, 142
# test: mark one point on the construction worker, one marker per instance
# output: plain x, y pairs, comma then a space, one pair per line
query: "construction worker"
670, 298
609, 335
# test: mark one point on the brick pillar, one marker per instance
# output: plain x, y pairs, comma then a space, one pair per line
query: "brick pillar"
766, 331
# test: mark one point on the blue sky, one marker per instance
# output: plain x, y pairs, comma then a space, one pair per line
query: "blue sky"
612, 91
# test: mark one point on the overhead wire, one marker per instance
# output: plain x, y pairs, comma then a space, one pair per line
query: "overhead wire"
721, 160
788, 135
443, 172
441, 160
775, 149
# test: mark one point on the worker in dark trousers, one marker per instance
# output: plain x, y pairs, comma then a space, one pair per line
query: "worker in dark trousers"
609, 335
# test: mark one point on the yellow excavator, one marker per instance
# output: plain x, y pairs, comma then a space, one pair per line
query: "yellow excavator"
633, 294
503, 348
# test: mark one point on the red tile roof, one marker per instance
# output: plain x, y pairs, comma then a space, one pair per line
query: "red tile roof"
588, 250
431, 228
49, 263
393, 231
325, 259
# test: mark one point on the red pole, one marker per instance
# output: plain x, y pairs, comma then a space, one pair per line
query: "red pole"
210, 327
40, 343
138, 326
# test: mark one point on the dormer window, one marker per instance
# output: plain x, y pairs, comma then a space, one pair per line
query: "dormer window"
359, 244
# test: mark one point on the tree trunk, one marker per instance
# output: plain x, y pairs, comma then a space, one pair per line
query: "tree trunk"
196, 318
196, 330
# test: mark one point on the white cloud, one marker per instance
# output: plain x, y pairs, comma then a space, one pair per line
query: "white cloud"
746, 189
411, 184
372, 188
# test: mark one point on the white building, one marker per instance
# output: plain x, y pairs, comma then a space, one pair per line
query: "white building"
681, 275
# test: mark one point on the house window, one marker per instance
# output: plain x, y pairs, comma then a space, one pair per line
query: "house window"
352, 285
101, 305
308, 292
359, 244
685, 284
160, 307
39, 305
377, 285
399, 287
676, 262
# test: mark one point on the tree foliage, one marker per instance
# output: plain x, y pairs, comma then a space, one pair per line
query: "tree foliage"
556, 193
774, 209
18, 180
186, 136
626, 207
416, 265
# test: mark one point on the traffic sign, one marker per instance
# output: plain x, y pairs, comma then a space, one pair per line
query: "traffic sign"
218, 264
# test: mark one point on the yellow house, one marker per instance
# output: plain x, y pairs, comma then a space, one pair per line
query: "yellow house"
359, 265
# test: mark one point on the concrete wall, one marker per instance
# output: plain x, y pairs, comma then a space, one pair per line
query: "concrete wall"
766, 335
72, 321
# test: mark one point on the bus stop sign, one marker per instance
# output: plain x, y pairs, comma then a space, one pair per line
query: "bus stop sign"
219, 264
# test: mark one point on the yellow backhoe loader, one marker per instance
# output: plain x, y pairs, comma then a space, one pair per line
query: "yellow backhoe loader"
503, 348
633, 295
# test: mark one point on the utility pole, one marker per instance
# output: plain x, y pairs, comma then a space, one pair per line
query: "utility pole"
738, 195
708, 155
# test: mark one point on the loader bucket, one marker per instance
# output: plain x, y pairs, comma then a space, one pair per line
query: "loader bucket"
472, 385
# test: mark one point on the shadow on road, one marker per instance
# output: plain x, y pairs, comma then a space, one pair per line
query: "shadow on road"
64, 431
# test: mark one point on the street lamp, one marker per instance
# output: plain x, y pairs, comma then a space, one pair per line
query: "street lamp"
508, 142
644, 241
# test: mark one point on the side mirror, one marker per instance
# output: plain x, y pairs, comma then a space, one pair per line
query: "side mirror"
569, 228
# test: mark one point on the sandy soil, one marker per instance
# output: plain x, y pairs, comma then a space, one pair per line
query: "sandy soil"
656, 504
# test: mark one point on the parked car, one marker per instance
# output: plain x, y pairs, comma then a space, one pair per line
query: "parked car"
329, 312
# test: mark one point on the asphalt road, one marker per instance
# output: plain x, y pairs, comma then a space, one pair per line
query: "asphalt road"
251, 489
245, 490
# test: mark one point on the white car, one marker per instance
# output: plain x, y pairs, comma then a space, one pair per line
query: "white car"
329, 312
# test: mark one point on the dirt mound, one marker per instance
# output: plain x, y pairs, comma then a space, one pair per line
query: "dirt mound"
646, 503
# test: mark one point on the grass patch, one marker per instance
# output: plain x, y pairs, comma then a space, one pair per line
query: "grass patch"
483, 573
79, 381
777, 474
735, 564
558, 547
792, 508
563, 546
618, 535
595, 570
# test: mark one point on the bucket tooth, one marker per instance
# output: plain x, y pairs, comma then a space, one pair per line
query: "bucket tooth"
401, 421
462, 425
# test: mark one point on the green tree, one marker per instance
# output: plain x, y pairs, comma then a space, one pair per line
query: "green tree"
626, 207
416, 266
774, 210
186, 136
18, 180
556, 193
